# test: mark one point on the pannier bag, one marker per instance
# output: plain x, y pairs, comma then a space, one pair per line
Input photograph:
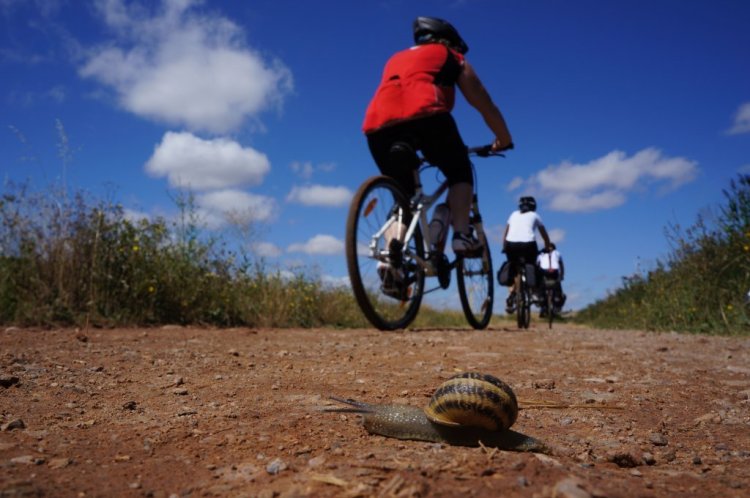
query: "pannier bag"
504, 276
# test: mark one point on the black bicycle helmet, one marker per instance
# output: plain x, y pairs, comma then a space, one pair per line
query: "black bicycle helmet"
527, 203
431, 29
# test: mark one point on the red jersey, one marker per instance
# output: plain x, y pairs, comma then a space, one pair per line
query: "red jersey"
416, 82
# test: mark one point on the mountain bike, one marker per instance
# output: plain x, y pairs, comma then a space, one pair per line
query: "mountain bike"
524, 295
390, 252
553, 295
550, 286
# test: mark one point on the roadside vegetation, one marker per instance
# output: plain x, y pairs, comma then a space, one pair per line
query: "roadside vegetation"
702, 286
70, 260
66, 260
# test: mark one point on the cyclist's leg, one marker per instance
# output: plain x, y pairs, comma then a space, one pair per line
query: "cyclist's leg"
393, 151
530, 252
512, 253
443, 146
399, 166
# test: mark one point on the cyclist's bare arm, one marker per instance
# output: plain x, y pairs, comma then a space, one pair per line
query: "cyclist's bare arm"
478, 97
545, 237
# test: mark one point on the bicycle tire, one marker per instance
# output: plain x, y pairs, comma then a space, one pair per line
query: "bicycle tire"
476, 288
370, 208
523, 306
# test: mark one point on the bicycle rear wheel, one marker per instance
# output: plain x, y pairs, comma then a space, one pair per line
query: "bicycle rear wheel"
476, 288
523, 305
385, 304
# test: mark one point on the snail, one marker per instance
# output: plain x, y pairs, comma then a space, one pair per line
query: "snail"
469, 409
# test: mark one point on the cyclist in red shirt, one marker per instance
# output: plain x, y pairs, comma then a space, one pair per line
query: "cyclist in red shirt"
412, 106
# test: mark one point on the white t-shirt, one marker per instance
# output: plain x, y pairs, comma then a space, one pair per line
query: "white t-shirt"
521, 226
549, 260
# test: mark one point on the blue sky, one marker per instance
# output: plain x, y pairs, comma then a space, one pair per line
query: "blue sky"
627, 116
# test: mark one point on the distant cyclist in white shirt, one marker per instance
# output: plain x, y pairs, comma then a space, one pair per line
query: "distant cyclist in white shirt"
551, 265
519, 239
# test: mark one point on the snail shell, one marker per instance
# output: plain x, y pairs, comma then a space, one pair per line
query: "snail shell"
474, 400
468, 409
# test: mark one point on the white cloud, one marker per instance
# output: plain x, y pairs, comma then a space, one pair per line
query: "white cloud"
556, 235
605, 182
320, 195
266, 249
514, 184
303, 169
320, 244
220, 207
187, 160
184, 67
741, 120
135, 216
332, 281
745, 170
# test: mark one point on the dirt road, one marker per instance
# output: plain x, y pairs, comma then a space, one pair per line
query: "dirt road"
197, 412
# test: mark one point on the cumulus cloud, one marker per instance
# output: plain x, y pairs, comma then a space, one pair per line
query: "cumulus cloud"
303, 169
184, 66
319, 244
222, 206
741, 120
187, 160
320, 195
266, 249
514, 183
135, 216
556, 235
605, 182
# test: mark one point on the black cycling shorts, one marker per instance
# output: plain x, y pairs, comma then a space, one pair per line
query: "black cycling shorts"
436, 136
517, 250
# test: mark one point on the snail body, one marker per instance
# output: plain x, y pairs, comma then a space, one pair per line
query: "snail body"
467, 410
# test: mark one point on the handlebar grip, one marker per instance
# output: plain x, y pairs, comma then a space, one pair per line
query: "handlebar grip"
482, 151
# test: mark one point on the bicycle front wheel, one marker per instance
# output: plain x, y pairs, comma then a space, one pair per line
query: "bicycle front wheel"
476, 288
386, 279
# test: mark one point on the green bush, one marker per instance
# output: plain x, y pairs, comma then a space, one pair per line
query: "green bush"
702, 285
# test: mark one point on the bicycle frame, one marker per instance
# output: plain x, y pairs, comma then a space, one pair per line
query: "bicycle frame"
420, 204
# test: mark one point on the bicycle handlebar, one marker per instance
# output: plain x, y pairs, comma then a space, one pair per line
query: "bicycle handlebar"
486, 150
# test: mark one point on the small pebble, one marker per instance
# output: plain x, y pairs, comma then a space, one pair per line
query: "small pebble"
658, 439
276, 466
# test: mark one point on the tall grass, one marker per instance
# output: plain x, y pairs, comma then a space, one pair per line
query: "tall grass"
64, 261
700, 287
68, 260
